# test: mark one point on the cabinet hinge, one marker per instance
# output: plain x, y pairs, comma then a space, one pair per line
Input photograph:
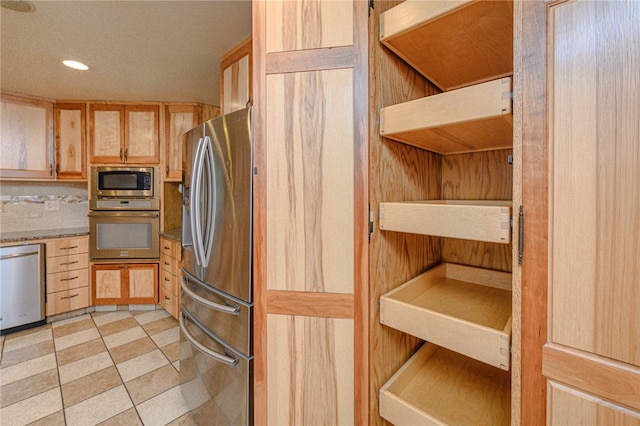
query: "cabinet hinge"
520, 234
370, 223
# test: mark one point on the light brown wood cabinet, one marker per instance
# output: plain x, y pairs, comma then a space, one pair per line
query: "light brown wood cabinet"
124, 133
27, 144
71, 148
170, 275
580, 86
67, 261
124, 283
236, 75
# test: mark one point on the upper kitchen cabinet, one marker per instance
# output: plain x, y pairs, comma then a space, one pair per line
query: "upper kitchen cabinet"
71, 145
124, 133
179, 119
452, 43
235, 78
27, 143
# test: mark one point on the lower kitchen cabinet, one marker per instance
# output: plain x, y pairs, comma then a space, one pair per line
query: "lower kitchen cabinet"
170, 276
67, 274
124, 283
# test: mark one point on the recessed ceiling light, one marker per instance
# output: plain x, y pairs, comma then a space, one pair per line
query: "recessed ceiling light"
75, 65
19, 6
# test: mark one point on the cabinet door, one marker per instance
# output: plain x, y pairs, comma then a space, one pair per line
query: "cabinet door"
70, 141
106, 129
26, 145
142, 283
178, 120
235, 79
115, 284
581, 204
141, 134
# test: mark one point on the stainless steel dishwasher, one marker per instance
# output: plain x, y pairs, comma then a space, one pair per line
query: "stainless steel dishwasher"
21, 287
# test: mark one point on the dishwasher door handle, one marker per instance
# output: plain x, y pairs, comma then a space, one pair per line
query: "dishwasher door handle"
13, 256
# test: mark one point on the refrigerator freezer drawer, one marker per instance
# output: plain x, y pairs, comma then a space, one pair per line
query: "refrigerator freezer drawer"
227, 318
215, 380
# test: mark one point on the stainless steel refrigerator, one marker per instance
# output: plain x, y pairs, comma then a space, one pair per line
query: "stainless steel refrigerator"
216, 353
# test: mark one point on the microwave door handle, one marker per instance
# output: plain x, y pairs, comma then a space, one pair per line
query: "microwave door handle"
210, 217
196, 231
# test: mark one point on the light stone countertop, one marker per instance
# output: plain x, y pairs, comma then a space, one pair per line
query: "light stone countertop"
24, 236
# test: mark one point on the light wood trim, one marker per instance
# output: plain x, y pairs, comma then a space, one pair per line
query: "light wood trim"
441, 387
570, 406
477, 220
613, 380
311, 60
535, 191
437, 40
329, 305
474, 118
259, 214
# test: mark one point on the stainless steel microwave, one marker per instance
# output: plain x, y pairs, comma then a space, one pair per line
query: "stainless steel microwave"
122, 182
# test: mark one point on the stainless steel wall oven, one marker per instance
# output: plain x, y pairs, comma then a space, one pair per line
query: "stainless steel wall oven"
124, 216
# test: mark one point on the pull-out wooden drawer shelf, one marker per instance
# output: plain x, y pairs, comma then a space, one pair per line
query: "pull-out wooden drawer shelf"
475, 118
452, 43
437, 387
470, 220
462, 308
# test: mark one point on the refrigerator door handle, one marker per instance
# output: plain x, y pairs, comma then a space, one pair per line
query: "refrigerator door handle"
233, 310
210, 214
196, 231
215, 355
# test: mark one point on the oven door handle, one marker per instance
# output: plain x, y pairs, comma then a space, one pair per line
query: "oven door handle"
122, 214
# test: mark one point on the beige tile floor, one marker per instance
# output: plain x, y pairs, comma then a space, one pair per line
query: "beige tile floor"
107, 368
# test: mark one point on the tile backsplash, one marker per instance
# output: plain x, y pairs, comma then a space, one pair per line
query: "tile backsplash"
31, 206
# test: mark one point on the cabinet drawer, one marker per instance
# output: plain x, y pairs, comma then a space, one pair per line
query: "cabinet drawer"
170, 248
66, 280
169, 264
67, 263
169, 281
68, 300
67, 246
169, 301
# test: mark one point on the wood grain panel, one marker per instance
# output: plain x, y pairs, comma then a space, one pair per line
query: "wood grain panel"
328, 305
478, 176
609, 379
397, 172
26, 145
310, 370
180, 119
570, 406
141, 133
107, 283
67, 246
310, 181
535, 206
301, 25
107, 132
143, 282
595, 189
70, 141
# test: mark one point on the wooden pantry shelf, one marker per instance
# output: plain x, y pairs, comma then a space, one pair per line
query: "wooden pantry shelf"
470, 220
452, 43
475, 118
438, 386
461, 308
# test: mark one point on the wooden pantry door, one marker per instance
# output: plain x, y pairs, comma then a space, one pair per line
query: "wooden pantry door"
311, 214
581, 198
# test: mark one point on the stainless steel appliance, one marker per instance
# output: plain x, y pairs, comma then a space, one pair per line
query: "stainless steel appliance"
22, 287
216, 352
124, 216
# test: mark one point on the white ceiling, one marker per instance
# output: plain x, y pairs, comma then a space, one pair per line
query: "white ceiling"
141, 50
